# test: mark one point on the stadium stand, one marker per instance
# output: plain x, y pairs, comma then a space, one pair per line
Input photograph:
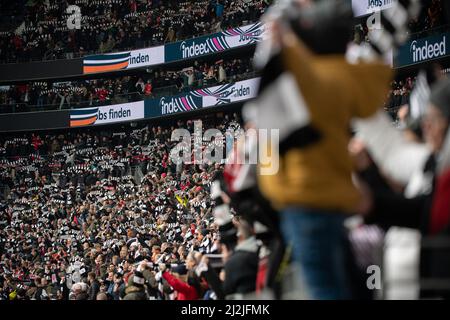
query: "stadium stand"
105, 210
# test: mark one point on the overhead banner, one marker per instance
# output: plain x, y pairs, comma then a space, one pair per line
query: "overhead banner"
107, 114
202, 98
217, 42
123, 60
423, 50
366, 7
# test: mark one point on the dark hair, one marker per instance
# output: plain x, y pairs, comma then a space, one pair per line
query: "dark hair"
325, 27
194, 281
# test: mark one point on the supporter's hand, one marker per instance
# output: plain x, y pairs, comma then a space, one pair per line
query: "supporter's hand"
162, 267
402, 113
204, 260
202, 267
143, 265
222, 275
359, 155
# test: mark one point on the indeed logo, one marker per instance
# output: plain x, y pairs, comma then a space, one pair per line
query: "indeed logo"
139, 59
169, 107
428, 51
194, 49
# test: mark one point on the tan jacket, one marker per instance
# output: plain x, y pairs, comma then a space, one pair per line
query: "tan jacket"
319, 176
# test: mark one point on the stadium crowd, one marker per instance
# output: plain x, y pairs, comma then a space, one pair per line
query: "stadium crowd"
106, 215
400, 91
38, 96
432, 16
42, 32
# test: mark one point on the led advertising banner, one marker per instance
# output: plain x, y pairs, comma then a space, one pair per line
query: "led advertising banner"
191, 48
217, 42
366, 7
202, 98
107, 114
145, 109
423, 50
123, 60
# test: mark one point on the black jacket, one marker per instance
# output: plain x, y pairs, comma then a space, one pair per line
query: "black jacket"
93, 290
241, 269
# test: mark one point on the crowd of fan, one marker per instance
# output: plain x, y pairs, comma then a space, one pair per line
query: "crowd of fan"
81, 223
431, 17
401, 89
400, 92
86, 93
117, 25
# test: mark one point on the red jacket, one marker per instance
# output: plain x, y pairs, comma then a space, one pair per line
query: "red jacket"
184, 291
440, 211
36, 142
102, 94
148, 89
